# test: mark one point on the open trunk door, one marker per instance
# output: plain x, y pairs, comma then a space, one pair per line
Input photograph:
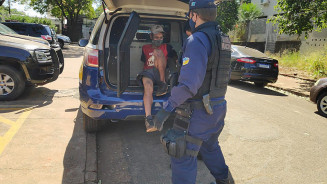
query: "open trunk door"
123, 52
170, 7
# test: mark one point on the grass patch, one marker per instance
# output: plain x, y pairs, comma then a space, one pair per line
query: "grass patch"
315, 63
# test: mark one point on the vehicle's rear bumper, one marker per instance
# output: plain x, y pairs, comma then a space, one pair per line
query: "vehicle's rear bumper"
253, 77
129, 105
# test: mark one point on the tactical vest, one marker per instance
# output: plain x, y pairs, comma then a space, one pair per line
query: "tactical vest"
218, 66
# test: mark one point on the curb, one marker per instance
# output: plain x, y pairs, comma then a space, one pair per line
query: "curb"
295, 77
290, 91
91, 164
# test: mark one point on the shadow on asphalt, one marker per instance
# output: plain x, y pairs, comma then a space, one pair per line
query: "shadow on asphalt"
127, 154
250, 87
75, 154
72, 51
33, 97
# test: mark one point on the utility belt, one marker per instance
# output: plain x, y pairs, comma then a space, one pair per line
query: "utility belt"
176, 138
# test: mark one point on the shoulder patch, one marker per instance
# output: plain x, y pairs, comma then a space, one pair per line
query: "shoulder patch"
186, 60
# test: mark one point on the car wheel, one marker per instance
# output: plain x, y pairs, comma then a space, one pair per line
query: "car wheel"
12, 83
61, 44
322, 104
91, 125
260, 84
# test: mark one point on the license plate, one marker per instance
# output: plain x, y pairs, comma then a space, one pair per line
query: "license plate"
264, 66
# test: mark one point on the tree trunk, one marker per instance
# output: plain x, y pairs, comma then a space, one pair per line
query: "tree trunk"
74, 30
247, 31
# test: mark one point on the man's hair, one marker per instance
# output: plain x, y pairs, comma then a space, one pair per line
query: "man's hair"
206, 14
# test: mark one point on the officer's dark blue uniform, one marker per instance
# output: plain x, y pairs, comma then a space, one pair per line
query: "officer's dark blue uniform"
202, 125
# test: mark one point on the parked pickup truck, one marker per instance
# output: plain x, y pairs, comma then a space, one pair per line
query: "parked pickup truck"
25, 61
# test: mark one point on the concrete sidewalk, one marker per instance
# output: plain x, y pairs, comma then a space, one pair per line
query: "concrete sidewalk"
296, 85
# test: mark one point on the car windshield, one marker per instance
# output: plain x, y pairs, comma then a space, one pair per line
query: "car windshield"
6, 30
249, 51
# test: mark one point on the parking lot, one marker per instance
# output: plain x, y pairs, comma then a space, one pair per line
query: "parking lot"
269, 137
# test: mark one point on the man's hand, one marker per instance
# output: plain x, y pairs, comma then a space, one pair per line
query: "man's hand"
160, 119
159, 57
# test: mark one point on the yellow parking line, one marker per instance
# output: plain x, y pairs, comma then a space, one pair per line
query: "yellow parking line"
15, 126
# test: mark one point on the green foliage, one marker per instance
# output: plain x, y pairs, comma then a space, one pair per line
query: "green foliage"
248, 12
296, 17
98, 11
22, 17
227, 15
4, 12
70, 9
314, 62
238, 33
27, 19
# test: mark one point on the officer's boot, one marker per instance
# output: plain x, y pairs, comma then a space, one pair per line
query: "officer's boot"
224, 181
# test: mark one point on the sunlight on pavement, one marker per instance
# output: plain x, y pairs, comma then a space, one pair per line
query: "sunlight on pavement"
14, 127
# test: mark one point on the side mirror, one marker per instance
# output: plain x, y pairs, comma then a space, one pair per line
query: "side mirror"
83, 42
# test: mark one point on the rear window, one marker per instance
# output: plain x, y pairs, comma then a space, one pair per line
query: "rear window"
144, 31
18, 28
38, 30
249, 52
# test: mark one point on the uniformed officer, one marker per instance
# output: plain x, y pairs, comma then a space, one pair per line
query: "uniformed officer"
200, 95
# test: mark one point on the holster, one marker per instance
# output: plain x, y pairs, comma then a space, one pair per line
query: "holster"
175, 139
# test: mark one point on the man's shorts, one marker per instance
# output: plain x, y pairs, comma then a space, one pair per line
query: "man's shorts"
152, 74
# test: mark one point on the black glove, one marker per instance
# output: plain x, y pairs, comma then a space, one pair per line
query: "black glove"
160, 118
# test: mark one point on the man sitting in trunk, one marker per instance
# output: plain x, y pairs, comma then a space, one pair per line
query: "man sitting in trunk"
155, 57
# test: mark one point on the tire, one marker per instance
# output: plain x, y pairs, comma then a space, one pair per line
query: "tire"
61, 44
12, 83
322, 104
260, 84
91, 125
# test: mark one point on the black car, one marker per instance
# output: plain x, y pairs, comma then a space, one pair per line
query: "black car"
34, 30
248, 64
23, 61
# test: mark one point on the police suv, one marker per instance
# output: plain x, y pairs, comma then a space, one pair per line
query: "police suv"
112, 58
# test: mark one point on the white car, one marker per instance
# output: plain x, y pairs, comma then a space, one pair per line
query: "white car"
63, 40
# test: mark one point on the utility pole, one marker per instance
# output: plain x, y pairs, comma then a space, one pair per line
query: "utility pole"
9, 6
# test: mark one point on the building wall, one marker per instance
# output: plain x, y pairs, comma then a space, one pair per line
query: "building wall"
263, 32
267, 8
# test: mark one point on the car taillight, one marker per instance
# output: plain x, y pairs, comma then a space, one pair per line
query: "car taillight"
276, 65
46, 37
246, 60
91, 57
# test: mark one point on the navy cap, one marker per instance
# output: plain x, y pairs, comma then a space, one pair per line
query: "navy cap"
196, 4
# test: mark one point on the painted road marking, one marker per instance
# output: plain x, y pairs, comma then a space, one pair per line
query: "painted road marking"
14, 127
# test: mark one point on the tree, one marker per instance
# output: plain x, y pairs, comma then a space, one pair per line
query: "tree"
1, 2
248, 12
227, 15
69, 9
297, 17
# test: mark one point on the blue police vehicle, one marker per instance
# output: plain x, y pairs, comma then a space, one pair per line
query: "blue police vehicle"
112, 58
